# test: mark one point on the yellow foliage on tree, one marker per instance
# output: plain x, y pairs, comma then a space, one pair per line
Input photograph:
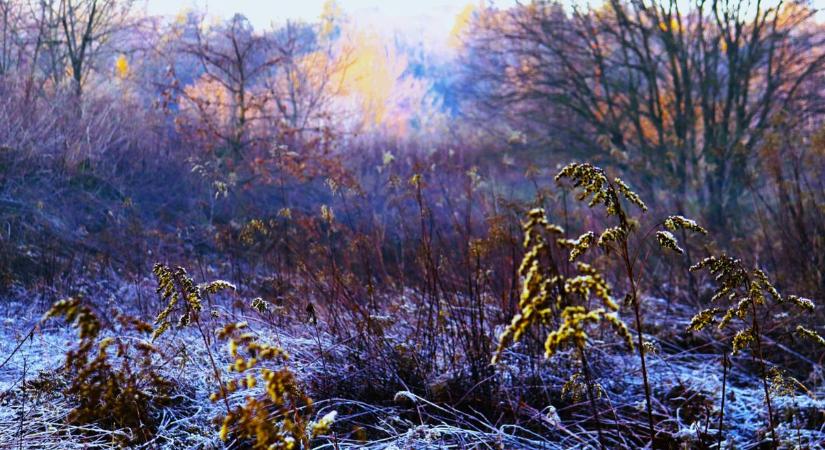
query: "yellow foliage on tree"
122, 66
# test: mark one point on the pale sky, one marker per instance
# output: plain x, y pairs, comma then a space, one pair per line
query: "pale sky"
262, 12
427, 20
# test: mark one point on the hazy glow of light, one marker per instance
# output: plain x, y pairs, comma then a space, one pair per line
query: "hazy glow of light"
429, 21
374, 79
461, 24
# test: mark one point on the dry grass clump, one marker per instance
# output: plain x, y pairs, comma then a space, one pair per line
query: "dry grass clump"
274, 419
277, 418
114, 381
117, 384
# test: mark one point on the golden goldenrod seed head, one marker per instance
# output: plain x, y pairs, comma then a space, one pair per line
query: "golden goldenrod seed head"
805, 304
254, 420
577, 246
810, 334
703, 319
631, 196
542, 294
742, 339
674, 223
612, 234
322, 426
668, 241
224, 433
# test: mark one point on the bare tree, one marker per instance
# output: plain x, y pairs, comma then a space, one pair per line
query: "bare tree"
8, 32
86, 26
234, 59
685, 94
255, 92
302, 86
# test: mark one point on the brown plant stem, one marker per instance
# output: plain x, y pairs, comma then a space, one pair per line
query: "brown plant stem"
722, 407
591, 394
638, 320
764, 373
634, 297
215, 370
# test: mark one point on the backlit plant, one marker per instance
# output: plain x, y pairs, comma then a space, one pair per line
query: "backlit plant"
114, 380
598, 190
182, 295
275, 419
185, 298
550, 298
749, 294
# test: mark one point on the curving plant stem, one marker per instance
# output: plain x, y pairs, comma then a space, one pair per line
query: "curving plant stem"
722, 407
638, 319
634, 298
764, 372
592, 395
215, 371
184, 293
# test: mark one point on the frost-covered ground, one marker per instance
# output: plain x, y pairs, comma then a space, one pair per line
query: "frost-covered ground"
687, 384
